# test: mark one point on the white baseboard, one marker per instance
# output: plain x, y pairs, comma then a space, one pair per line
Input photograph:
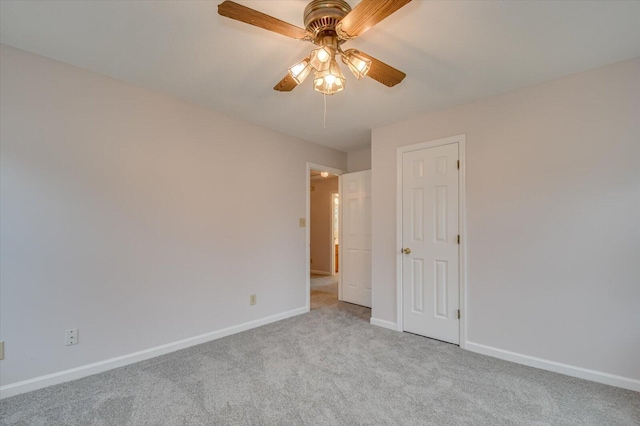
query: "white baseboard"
384, 324
320, 272
17, 388
569, 370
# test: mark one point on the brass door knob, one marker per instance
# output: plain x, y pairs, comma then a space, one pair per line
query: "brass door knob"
407, 251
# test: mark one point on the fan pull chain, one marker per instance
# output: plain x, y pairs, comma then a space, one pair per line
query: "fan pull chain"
324, 123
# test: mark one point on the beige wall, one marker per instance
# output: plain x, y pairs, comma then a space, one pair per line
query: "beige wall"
321, 217
358, 161
137, 218
553, 218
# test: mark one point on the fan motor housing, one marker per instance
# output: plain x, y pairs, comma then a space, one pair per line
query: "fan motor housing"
322, 16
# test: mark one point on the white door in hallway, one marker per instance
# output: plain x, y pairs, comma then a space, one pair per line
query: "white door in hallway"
430, 259
355, 242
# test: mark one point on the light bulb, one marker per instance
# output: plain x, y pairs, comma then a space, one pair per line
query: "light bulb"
330, 80
323, 56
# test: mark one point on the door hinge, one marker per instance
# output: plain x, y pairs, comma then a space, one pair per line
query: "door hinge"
458, 164
458, 313
458, 239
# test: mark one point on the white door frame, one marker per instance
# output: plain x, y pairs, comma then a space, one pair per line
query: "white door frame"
332, 170
462, 226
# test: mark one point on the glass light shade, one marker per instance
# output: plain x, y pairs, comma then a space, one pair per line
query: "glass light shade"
321, 57
324, 174
329, 81
300, 71
357, 63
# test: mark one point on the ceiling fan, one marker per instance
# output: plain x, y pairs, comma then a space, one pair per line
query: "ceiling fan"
328, 24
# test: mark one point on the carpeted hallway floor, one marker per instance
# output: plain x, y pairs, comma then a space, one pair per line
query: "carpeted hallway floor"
324, 294
327, 367
324, 291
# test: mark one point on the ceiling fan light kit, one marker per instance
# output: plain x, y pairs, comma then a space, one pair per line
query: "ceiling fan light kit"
357, 63
320, 57
328, 24
301, 70
329, 80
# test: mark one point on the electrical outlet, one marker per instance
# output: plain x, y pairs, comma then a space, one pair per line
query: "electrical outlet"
252, 299
71, 336
2, 349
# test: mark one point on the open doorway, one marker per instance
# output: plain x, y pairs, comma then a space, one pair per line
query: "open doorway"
343, 209
324, 240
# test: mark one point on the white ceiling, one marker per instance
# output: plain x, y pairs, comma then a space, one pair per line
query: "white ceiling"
452, 52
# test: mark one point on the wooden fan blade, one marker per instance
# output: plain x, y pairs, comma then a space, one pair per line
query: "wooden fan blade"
251, 16
385, 74
287, 84
365, 15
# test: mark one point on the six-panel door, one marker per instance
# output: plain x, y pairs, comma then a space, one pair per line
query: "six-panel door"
430, 272
356, 238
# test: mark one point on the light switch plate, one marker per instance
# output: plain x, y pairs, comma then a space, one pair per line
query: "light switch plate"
303, 222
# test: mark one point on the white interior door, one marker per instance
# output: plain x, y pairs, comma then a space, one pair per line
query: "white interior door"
355, 242
430, 263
